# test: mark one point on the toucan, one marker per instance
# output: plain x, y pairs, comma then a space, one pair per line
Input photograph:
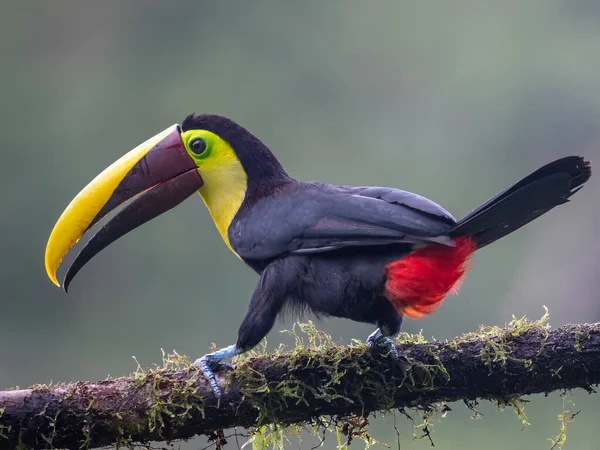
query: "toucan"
370, 254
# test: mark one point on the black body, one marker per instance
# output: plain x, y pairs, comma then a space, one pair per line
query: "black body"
324, 247
345, 283
341, 273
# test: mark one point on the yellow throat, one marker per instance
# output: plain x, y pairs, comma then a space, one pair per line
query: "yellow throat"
225, 183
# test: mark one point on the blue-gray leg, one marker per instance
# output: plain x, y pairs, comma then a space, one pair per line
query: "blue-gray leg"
383, 338
209, 362
265, 304
377, 341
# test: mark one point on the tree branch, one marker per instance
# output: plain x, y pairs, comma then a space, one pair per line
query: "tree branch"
316, 380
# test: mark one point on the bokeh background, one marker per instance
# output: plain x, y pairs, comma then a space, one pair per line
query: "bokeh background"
454, 100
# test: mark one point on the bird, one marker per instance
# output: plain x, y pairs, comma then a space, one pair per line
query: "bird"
371, 254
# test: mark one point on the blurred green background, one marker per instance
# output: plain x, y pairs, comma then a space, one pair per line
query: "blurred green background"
454, 100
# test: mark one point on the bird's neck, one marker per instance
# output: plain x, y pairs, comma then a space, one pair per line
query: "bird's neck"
224, 194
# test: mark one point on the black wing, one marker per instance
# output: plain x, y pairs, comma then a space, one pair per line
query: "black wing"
313, 217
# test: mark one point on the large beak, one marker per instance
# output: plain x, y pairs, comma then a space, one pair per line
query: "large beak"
160, 170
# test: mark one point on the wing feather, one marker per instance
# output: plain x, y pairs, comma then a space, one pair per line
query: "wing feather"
316, 218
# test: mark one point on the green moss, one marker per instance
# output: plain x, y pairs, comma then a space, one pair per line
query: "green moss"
578, 340
4, 430
315, 351
565, 417
496, 342
182, 400
518, 404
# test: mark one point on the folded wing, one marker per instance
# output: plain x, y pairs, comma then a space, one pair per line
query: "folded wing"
314, 218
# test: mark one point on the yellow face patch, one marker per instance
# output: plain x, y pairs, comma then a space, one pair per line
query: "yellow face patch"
225, 180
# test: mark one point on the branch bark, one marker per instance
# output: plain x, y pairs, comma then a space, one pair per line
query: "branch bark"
166, 404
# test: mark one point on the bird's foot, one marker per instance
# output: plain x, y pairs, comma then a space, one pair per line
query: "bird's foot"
377, 341
211, 362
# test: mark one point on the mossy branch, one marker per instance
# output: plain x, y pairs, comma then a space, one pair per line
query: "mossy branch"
314, 380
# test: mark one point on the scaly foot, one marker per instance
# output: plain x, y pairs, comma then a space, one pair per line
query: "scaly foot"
377, 340
211, 361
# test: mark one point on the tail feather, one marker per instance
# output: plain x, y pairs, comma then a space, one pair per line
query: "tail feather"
534, 195
417, 284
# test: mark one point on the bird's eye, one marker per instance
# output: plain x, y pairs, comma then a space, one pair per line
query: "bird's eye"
198, 146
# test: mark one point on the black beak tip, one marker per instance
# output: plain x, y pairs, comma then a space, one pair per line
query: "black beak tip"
73, 270
65, 285
147, 206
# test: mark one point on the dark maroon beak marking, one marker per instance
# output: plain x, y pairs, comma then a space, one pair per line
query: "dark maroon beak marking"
147, 206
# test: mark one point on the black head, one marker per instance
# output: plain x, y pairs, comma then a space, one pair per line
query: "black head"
261, 166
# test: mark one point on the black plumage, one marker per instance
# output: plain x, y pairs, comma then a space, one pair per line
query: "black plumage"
265, 173
325, 247
369, 254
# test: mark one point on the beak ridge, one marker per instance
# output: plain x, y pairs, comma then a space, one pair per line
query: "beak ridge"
146, 207
152, 163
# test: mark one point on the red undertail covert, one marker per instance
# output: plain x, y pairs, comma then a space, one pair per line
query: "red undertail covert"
418, 283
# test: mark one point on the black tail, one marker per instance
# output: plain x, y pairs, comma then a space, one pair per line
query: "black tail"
534, 195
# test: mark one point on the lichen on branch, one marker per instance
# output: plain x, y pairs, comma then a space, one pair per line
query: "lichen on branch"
317, 384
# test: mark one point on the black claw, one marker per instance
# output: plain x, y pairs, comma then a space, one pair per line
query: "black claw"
222, 367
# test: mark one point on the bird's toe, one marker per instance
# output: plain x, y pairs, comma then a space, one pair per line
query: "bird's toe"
207, 366
383, 344
374, 338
